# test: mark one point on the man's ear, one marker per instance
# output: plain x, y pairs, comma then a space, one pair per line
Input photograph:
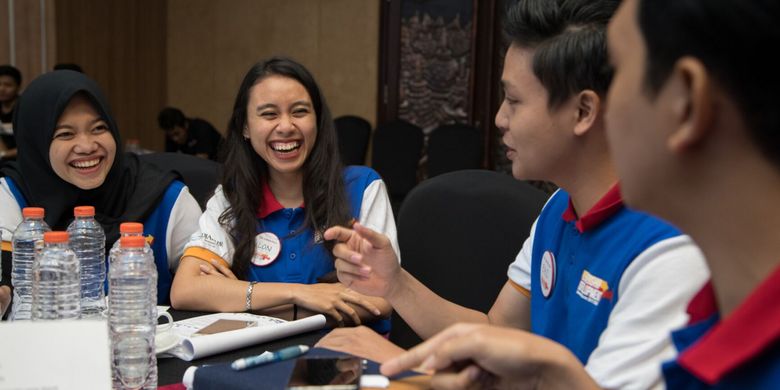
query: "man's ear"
588, 108
692, 103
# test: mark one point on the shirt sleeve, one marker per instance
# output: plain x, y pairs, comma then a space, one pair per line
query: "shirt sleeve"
182, 223
212, 240
652, 296
377, 214
10, 213
10, 217
520, 270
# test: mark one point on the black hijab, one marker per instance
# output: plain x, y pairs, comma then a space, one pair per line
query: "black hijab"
131, 190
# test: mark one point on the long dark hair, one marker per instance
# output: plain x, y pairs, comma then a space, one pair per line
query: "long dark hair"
245, 171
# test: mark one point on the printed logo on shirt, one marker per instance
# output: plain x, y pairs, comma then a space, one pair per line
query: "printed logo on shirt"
207, 241
593, 288
150, 239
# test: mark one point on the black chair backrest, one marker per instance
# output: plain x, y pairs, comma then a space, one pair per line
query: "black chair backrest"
453, 148
353, 135
458, 233
396, 153
199, 174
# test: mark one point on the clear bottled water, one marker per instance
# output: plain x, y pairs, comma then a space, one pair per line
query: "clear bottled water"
27, 241
127, 229
132, 316
56, 290
88, 241
131, 229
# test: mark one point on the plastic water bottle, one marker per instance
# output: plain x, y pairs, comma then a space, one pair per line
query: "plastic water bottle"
27, 242
131, 229
132, 317
88, 240
56, 291
127, 229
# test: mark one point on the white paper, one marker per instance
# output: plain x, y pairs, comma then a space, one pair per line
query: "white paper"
194, 347
56, 355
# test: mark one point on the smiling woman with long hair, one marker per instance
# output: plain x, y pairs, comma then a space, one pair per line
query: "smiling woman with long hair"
283, 185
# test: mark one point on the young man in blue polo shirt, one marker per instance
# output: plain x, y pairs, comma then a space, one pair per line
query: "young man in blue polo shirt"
697, 140
693, 124
604, 281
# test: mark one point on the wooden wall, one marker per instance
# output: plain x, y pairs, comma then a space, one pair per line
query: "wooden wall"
121, 44
192, 54
28, 36
212, 43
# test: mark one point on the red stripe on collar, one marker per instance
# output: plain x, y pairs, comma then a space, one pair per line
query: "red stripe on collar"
269, 204
747, 332
703, 305
608, 205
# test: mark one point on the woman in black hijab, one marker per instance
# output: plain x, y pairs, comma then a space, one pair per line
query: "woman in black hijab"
69, 154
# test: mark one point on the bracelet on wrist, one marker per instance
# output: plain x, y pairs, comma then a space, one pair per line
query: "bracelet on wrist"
248, 304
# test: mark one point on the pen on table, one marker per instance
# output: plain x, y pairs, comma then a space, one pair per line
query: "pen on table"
269, 357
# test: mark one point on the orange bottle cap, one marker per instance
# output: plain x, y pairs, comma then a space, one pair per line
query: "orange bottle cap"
132, 242
131, 227
34, 212
84, 211
56, 237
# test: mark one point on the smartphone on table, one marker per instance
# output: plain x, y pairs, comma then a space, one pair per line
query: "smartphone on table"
326, 373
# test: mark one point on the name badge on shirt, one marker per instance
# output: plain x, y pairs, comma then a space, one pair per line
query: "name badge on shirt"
547, 273
267, 248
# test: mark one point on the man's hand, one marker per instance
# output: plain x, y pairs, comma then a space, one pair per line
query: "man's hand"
473, 355
360, 341
365, 260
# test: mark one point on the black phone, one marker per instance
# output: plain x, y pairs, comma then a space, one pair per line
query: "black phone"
326, 373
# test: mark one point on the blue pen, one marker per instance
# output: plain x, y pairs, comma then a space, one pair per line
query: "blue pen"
269, 357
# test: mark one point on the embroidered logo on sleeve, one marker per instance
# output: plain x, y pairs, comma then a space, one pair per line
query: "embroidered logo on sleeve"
593, 288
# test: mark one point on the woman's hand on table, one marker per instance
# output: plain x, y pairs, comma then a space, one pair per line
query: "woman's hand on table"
333, 300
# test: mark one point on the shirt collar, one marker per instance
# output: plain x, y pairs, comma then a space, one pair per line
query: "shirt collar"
607, 206
703, 305
748, 331
270, 204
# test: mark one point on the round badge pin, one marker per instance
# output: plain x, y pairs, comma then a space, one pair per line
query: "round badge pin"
267, 248
547, 273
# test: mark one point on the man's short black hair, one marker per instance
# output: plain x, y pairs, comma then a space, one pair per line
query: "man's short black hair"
68, 66
734, 40
8, 70
569, 39
171, 117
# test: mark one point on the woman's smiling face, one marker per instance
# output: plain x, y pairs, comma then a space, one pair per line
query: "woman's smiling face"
82, 148
281, 123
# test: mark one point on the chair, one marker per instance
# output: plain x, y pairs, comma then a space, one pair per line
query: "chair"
454, 147
199, 174
353, 135
458, 233
395, 155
